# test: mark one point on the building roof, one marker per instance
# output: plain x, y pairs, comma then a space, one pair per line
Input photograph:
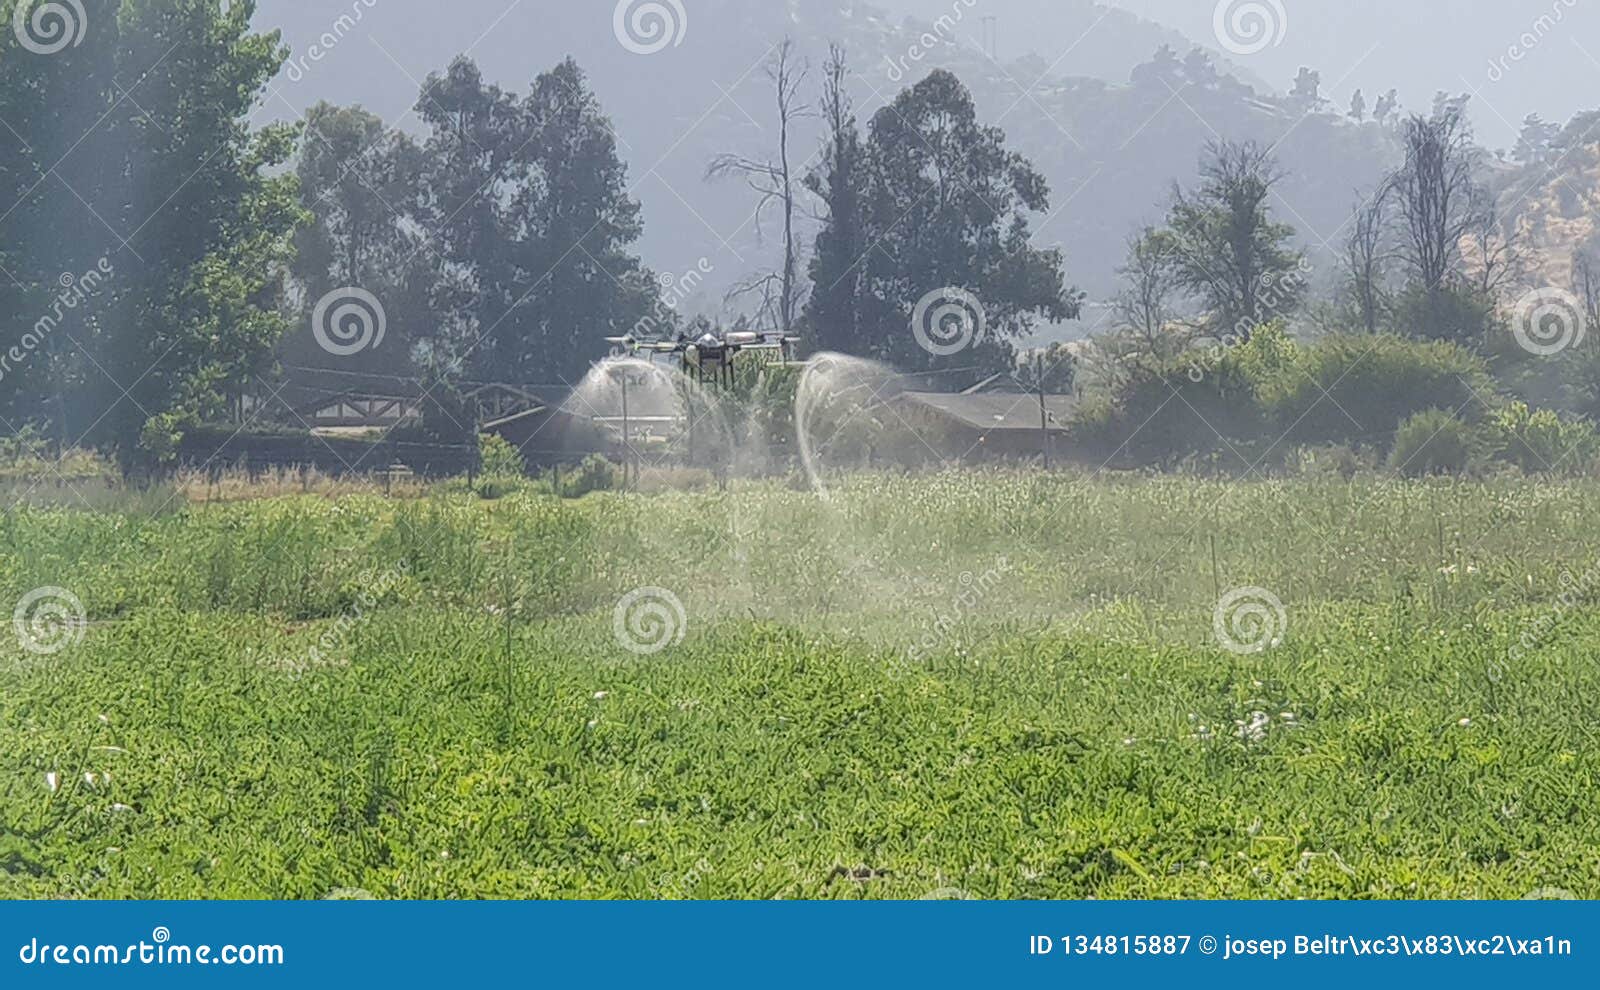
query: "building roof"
988, 412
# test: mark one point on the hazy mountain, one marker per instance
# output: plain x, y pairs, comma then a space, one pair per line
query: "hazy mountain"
1070, 87
1517, 56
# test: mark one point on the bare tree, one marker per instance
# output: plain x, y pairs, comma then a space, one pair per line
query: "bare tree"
1435, 195
1496, 250
775, 183
1145, 307
1366, 258
1586, 283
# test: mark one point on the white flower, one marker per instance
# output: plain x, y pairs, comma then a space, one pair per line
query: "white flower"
1255, 729
601, 695
52, 780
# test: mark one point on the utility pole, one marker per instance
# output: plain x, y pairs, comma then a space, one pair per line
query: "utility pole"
1044, 425
627, 442
1039, 369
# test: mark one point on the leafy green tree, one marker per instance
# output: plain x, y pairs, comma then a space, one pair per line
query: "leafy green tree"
135, 147
1227, 251
358, 179
574, 224
527, 201
947, 207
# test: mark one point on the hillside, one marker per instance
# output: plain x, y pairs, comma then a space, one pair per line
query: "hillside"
1110, 139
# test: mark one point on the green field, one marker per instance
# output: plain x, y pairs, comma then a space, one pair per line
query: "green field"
961, 685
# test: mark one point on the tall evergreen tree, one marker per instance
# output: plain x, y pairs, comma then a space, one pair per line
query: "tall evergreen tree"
577, 279
526, 201
135, 148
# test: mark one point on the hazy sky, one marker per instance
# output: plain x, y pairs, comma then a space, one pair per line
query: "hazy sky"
1417, 46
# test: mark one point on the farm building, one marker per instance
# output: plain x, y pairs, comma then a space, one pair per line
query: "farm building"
567, 427
983, 426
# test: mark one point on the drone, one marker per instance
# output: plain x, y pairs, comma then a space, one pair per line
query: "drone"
709, 358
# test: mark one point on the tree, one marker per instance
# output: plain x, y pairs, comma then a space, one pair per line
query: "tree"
358, 179
1533, 143
1387, 105
1227, 251
576, 278
474, 130
947, 207
833, 310
1307, 91
1145, 306
1495, 249
1358, 107
775, 183
1438, 204
1199, 69
1366, 259
1164, 71
1586, 283
528, 202
173, 189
